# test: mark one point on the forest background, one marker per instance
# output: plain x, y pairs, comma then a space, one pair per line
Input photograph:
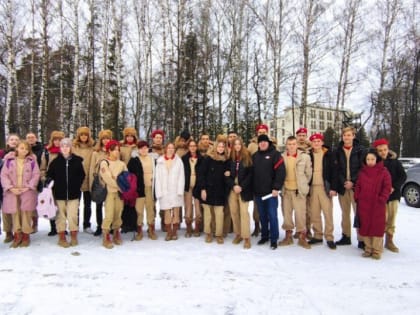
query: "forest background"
208, 65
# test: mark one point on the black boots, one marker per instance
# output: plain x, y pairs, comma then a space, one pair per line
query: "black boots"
345, 240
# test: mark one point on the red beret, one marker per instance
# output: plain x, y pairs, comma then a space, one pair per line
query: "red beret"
142, 144
380, 142
302, 130
158, 132
316, 136
262, 126
111, 143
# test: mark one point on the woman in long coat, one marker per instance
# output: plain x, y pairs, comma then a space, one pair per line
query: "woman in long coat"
372, 190
169, 189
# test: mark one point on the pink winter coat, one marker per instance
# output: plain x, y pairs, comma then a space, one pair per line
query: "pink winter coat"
31, 175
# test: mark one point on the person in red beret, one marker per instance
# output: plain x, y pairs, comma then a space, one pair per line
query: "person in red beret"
398, 177
158, 138
322, 188
109, 171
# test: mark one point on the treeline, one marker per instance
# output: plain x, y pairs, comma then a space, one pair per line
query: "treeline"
207, 65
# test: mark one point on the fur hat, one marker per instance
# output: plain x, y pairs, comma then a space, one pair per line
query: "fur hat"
106, 133
83, 130
56, 135
130, 131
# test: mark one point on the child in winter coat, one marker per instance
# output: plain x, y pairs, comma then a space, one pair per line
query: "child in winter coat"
19, 178
83, 147
169, 189
51, 152
68, 174
372, 190
109, 171
142, 165
99, 154
239, 183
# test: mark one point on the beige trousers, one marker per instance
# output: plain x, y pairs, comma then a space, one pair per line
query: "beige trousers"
67, 211
148, 203
391, 216
113, 210
292, 201
240, 215
171, 216
191, 205
218, 214
346, 202
7, 222
320, 202
22, 221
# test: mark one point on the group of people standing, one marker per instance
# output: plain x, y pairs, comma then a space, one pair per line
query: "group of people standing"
207, 183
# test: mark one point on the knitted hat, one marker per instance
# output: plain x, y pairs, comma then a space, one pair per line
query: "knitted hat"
106, 133
142, 144
56, 135
65, 142
129, 131
157, 132
110, 144
302, 130
83, 130
316, 136
379, 142
262, 138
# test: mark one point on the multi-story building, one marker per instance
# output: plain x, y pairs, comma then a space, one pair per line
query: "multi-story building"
318, 119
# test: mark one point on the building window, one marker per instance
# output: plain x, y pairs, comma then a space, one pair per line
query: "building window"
313, 124
313, 113
321, 125
329, 116
329, 124
321, 115
282, 123
282, 132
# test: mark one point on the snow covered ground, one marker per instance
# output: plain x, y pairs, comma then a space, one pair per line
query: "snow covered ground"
190, 277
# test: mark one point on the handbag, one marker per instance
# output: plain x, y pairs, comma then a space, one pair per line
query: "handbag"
98, 190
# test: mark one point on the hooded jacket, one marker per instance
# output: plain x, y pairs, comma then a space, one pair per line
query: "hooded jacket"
398, 175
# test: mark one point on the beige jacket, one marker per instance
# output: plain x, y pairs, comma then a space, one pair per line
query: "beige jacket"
84, 151
303, 171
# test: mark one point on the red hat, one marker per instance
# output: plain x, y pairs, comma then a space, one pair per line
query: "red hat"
158, 132
302, 130
111, 143
261, 126
379, 142
142, 144
316, 136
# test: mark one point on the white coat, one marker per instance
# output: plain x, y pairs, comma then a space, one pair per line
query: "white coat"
169, 184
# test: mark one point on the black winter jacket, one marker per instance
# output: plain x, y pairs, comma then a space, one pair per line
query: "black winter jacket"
134, 166
244, 179
68, 175
356, 162
398, 175
268, 172
211, 178
187, 171
329, 171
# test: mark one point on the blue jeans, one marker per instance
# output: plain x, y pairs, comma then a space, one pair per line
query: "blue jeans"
268, 215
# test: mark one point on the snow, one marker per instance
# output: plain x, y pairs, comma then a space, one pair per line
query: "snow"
189, 276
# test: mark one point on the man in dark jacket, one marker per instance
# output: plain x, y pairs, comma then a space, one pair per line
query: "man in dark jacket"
268, 178
68, 174
349, 159
398, 177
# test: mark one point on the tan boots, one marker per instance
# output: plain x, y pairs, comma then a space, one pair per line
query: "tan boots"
151, 232
73, 240
389, 243
117, 237
17, 239
25, 240
62, 241
139, 235
302, 241
189, 231
288, 240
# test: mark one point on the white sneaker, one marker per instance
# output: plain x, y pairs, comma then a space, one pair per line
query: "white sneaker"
88, 230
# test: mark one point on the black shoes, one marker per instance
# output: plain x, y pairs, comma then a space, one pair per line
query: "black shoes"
331, 245
273, 245
313, 241
361, 245
262, 241
345, 240
98, 232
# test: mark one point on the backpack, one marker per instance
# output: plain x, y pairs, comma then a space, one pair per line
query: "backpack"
45, 206
127, 182
98, 190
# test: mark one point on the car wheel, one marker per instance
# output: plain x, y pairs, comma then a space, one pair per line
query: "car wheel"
412, 195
